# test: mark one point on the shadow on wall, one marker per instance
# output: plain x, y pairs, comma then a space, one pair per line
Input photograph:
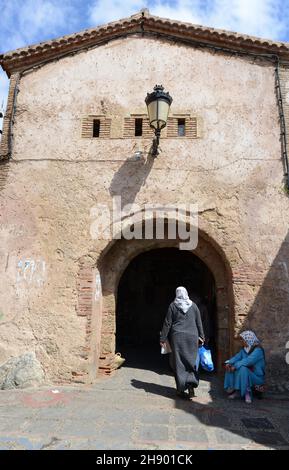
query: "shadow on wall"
130, 177
269, 316
233, 421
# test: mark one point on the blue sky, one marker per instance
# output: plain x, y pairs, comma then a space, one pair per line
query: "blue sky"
24, 22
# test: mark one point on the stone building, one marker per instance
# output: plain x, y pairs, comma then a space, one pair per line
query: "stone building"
76, 135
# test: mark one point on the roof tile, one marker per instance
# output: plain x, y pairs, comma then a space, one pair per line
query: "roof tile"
22, 58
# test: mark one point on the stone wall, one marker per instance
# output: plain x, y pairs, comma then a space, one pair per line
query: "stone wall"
55, 178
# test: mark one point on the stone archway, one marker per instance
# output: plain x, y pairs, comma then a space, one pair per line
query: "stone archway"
146, 289
115, 260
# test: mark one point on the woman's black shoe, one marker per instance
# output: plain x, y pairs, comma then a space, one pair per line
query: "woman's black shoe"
191, 392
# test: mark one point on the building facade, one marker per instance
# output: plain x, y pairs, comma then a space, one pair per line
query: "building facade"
76, 138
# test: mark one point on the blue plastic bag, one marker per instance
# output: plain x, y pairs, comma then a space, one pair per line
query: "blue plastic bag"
198, 361
205, 358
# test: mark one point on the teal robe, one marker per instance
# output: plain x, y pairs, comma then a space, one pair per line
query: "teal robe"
250, 370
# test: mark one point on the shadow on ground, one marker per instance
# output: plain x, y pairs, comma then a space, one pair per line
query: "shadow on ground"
237, 421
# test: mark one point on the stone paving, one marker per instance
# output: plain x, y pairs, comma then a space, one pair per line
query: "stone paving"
137, 409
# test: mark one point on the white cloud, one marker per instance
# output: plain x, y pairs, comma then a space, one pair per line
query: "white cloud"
264, 18
24, 22
104, 11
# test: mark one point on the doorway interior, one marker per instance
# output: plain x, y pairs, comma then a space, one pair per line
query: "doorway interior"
146, 289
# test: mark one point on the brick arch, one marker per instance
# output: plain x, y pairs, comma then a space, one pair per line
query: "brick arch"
116, 257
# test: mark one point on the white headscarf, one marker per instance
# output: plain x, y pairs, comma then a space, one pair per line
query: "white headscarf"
250, 338
182, 299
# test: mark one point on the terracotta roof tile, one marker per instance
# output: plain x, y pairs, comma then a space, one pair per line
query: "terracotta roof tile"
26, 57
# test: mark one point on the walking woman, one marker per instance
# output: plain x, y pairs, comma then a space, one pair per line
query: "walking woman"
245, 371
183, 328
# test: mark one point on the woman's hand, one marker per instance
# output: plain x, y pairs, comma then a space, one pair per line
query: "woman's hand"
162, 343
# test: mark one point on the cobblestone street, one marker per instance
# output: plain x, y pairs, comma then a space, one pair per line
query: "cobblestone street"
137, 409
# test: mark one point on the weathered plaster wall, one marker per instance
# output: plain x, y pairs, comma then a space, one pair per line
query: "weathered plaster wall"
55, 178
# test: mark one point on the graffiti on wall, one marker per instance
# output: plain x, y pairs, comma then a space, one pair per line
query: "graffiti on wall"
31, 272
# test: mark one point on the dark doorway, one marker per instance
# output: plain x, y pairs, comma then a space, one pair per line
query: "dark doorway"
146, 289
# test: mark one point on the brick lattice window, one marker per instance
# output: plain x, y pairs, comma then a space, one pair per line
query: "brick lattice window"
182, 127
132, 125
192, 128
138, 127
95, 127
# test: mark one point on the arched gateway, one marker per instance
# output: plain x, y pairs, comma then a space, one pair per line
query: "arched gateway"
124, 268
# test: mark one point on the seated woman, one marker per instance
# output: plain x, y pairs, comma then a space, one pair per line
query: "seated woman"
246, 369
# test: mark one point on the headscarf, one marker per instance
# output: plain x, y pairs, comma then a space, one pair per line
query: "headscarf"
250, 338
182, 299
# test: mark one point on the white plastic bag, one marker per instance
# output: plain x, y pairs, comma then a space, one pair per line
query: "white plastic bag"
166, 348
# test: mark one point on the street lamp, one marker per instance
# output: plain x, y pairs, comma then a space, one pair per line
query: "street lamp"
158, 103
